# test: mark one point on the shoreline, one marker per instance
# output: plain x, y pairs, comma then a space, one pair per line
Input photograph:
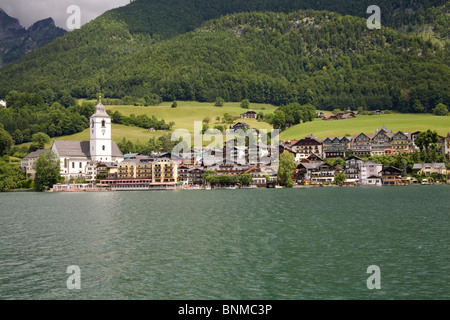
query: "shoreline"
223, 188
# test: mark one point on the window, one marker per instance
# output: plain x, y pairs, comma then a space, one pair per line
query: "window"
103, 148
103, 124
92, 123
73, 165
81, 165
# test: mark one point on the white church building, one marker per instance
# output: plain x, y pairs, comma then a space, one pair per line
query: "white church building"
76, 156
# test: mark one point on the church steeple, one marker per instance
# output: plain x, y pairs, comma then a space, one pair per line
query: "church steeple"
100, 142
100, 110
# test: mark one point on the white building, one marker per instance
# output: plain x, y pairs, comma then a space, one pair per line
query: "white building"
3, 104
27, 163
76, 156
370, 171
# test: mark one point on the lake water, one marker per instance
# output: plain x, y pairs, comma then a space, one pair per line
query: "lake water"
227, 244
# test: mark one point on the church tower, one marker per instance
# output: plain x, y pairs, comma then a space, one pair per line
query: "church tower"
100, 129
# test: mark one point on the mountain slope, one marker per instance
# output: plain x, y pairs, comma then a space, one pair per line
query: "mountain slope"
307, 56
116, 54
168, 18
16, 41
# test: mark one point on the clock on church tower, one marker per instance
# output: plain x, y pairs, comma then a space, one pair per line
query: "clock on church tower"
100, 132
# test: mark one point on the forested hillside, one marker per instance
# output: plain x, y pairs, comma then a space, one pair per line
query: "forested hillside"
313, 57
320, 58
168, 18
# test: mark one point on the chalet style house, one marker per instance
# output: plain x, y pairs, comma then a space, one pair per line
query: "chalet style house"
313, 173
336, 147
430, 168
240, 125
339, 116
307, 146
392, 176
401, 143
250, 114
382, 142
361, 144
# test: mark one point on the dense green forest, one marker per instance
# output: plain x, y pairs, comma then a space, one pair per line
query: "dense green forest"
167, 18
310, 57
324, 59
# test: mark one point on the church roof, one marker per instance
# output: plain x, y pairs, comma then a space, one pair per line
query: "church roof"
81, 149
100, 111
72, 148
35, 154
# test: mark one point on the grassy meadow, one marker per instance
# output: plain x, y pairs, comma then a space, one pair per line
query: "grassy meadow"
368, 124
187, 112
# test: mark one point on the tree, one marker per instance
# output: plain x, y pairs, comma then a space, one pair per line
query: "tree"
286, 169
67, 100
11, 176
48, 170
6, 141
245, 104
39, 140
426, 139
207, 176
246, 179
278, 120
335, 111
260, 116
440, 110
418, 107
174, 104
340, 178
17, 136
218, 118
228, 118
219, 102
206, 119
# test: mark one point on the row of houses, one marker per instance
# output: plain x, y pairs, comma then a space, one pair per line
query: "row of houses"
339, 116
314, 171
165, 170
382, 142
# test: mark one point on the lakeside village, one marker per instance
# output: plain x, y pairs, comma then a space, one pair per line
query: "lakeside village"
101, 166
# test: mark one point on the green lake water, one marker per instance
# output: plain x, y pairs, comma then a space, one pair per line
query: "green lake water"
227, 244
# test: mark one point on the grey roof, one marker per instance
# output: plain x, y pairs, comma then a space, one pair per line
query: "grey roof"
72, 148
434, 165
100, 111
372, 163
115, 150
81, 149
35, 154
311, 165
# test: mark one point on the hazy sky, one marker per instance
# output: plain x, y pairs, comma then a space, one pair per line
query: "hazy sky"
30, 11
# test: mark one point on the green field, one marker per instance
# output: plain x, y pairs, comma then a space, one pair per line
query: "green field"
184, 116
187, 112
368, 124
